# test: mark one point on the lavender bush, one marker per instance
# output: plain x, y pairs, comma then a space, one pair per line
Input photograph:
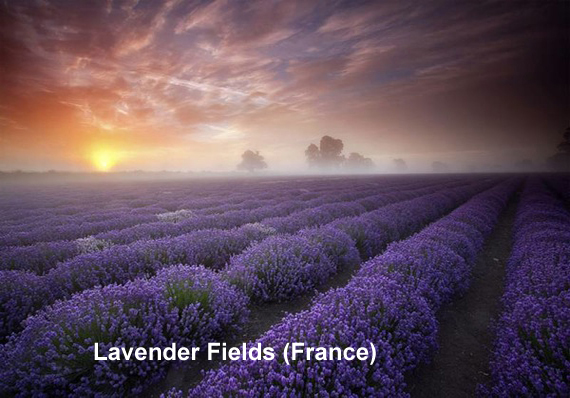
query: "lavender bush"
133, 294
390, 303
280, 267
43, 256
531, 356
373, 311
53, 355
213, 248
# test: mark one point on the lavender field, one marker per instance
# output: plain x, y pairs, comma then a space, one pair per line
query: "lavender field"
413, 265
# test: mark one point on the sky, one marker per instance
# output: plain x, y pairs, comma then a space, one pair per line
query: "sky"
190, 85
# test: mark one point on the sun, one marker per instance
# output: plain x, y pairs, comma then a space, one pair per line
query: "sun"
104, 159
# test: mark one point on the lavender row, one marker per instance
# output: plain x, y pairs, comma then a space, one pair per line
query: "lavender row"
228, 219
53, 356
283, 266
153, 214
75, 228
211, 204
390, 303
23, 293
41, 257
306, 195
181, 304
50, 365
157, 218
185, 305
91, 215
22, 204
18, 204
531, 356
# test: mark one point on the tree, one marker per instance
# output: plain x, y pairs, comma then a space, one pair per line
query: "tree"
251, 161
564, 146
327, 155
439, 167
561, 160
400, 165
331, 151
356, 161
313, 155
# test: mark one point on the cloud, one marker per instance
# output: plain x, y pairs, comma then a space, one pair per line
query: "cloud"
280, 73
215, 133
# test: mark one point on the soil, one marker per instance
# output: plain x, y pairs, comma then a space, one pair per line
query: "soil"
465, 325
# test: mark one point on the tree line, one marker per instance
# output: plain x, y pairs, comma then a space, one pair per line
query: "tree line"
328, 156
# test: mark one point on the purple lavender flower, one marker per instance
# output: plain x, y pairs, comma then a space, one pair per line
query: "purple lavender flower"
390, 303
531, 356
54, 354
280, 267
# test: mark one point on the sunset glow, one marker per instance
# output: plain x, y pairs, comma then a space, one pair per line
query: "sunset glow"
104, 160
196, 83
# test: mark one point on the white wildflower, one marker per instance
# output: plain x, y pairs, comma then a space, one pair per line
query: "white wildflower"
176, 216
91, 244
262, 228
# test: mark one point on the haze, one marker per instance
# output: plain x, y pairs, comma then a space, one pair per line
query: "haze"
190, 85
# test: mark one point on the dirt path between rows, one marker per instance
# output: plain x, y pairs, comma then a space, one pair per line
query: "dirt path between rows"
465, 335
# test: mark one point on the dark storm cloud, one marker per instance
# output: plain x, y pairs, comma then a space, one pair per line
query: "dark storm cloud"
391, 77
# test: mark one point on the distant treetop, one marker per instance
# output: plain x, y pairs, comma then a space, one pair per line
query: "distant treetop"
561, 160
328, 155
252, 161
400, 165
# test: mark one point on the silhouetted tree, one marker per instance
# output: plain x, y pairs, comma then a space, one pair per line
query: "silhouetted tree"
561, 160
313, 155
331, 151
356, 161
564, 146
439, 167
400, 164
327, 155
251, 161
